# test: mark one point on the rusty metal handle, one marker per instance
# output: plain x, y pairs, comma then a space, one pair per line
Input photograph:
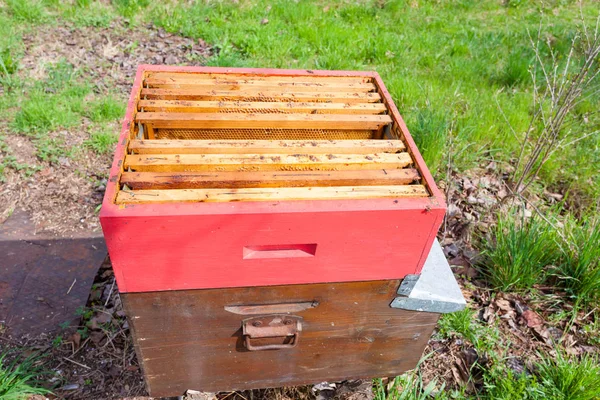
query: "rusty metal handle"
275, 346
272, 326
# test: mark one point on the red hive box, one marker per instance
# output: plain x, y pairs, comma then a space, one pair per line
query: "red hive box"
162, 242
238, 196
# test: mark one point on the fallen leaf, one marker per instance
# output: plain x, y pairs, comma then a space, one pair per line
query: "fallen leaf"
532, 319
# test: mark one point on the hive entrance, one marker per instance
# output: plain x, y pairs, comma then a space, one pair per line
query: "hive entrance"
232, 137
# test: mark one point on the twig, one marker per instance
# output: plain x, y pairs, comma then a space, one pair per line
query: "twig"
76, 363
110, 292
72, 284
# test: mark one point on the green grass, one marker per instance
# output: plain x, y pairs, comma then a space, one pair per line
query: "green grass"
88, 13
504, 384
105, 108
102, 142
19, 379
569, 378
516, 255
579, 267
27, 10
129, 8
409, 386
55, 102
465, 324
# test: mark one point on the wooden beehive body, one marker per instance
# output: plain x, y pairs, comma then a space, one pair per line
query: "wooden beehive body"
252, 177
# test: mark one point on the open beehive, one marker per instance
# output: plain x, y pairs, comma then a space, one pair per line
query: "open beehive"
248, 177
201, 137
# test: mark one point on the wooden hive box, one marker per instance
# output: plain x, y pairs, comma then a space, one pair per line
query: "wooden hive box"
241, 199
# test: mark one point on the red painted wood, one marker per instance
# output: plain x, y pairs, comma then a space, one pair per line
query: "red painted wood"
200, 245
207, 251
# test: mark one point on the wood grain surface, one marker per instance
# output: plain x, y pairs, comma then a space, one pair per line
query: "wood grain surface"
188, 340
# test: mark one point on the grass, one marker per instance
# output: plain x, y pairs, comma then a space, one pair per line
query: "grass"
552, 376
523, 252
567, 378
518, 252
409, 386
105, 109
579, 267
56, 102
18, 380
27, 10
506, 385
102, 142
465, 324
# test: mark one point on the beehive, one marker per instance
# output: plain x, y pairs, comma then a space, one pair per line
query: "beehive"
314, 170
260, 223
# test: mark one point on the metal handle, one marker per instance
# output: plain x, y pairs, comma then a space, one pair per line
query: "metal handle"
272, 326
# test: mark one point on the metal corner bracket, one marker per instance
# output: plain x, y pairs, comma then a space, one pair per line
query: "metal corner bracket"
435, 290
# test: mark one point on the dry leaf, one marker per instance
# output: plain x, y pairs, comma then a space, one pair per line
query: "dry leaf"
532, 319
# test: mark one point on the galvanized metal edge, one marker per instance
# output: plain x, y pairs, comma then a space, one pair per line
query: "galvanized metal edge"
434, 290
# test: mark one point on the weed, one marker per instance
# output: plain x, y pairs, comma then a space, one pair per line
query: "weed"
57, 341
50, 149
459, 323
579, 271
8, 160
592, 330
102, 142
107, 108
84, 313
409, 386
18, 380
564, 377
465, 324
515, 256
8, 64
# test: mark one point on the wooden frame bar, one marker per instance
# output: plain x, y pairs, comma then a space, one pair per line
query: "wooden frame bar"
266, 121
248, 106
266, 146
223, 180
208, 94
268, 194
264, 162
